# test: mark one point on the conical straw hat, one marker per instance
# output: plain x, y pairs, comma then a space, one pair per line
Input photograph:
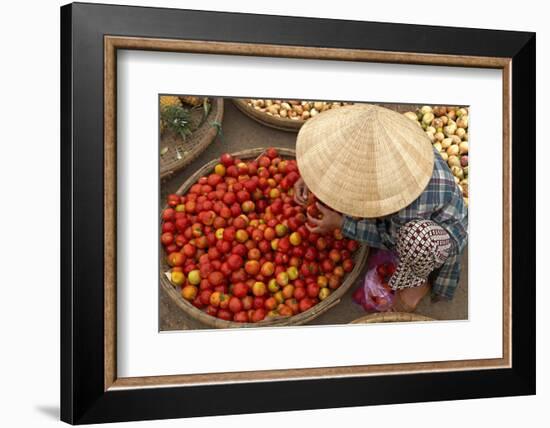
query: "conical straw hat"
363, 160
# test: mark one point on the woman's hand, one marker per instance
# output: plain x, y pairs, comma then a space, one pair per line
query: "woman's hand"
331, 220
301, 192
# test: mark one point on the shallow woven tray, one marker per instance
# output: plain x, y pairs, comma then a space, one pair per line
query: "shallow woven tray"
282, 123
390, 317
194, 144
301, 318
290, 125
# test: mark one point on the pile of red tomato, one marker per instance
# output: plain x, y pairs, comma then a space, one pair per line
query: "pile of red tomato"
238, 245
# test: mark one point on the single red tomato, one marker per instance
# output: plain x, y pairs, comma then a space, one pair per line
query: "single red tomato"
167, 238
168, 214
248, 302
241, 317
235, 304
240, 290
258, 315
225, 314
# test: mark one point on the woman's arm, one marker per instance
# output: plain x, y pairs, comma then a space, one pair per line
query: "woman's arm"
366, 230
329, 220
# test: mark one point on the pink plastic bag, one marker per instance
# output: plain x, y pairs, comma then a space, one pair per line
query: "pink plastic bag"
375, 295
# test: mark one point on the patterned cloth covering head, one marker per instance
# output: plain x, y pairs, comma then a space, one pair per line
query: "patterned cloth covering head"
422, 247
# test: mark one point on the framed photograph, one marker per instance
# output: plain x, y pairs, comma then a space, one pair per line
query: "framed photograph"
265, 213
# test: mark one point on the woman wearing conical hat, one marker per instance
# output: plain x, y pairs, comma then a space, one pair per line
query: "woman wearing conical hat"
381, 182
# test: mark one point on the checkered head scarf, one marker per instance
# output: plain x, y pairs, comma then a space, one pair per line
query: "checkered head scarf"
422, 247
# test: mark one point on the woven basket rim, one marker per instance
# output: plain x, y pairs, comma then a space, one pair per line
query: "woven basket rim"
298, 319
381, 317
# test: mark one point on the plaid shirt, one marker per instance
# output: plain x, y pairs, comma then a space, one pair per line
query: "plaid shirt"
440, 202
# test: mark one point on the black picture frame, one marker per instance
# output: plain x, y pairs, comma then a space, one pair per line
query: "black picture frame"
83, 398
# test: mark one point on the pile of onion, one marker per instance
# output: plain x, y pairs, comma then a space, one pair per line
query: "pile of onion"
293, 109
447, 129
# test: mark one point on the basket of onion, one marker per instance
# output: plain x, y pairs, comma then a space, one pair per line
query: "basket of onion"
447, 129
286, 115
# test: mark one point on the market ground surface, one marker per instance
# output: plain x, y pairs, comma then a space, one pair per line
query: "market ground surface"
239, 133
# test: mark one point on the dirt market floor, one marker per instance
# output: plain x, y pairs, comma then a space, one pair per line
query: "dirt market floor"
239, 133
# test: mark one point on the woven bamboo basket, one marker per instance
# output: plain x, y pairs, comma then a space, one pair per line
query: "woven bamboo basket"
302, 318
176, 153
281, 123
290, 125
390, 317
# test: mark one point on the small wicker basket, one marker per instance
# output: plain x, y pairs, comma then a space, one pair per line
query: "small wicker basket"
177, 153
281, 123
196, 314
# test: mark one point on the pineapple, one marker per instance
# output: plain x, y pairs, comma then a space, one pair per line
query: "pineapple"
169, 101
